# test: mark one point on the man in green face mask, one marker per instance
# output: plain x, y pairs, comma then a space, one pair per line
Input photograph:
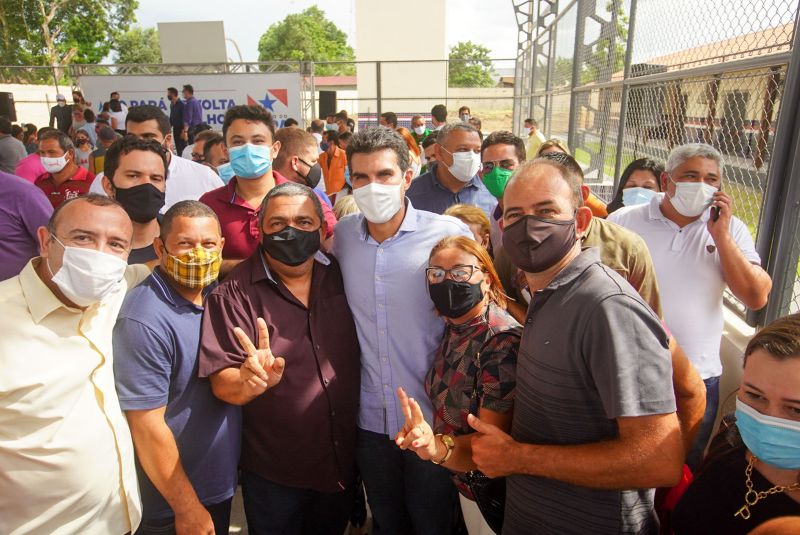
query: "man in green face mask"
501, 153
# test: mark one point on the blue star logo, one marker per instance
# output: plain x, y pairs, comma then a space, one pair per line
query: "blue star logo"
267, 102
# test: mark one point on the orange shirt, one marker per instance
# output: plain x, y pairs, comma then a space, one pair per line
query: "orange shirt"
77, 186
597, 206
333, 170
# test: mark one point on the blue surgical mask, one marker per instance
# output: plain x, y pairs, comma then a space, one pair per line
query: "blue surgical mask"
250, 161
775, 441
331, 126
634, 196
225, 172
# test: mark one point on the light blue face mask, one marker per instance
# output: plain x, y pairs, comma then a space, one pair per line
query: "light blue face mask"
634, 196
331, 126
775, 441
250, 161
225, 172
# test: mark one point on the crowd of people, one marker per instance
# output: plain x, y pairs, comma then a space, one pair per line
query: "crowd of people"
449, 325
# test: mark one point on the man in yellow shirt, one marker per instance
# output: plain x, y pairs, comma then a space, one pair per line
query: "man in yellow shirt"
535, 138
66, 458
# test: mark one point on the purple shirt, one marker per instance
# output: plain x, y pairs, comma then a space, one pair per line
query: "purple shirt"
192, 112
23, 209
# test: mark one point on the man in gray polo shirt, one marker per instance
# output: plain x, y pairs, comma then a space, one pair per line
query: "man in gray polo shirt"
594, 410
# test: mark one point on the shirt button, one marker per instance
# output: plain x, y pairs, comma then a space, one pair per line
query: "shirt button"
384, 359
529, 321
333, 413
326, 381
335, 442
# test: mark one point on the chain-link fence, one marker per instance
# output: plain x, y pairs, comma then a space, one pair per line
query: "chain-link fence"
626, 79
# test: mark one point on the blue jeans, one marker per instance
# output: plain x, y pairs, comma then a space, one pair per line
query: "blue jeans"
695, 456
406, 494
220, 515
275, 509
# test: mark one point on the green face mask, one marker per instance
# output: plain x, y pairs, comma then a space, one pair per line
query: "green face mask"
496, 180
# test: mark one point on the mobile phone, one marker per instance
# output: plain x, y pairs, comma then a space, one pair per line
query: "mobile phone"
715, 211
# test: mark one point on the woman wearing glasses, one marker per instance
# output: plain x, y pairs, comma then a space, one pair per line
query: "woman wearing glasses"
474, 369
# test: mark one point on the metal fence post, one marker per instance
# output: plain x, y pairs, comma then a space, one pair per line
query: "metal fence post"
378, 88
623, 104
775, 240
577, 60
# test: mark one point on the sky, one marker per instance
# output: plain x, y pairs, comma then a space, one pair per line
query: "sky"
487, 22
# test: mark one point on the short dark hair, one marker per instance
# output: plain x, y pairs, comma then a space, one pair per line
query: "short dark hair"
5, 125
290, 189
345, 136
439, 112
172, 91
390, 117
210, 144
340, 116
88, 115
462, 108
250, 113
189, 88
378, 138
331, 136
504, 137
206, 135
532, 122
185, 209
111, 95
42, 131
16, 130
429, 140
147, 112
290, 122
63, 139
126, 145
92, 198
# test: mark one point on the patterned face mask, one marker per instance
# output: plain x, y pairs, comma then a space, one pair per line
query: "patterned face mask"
194, 269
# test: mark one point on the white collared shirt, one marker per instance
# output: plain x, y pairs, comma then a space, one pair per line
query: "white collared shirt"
66, 457
689, 276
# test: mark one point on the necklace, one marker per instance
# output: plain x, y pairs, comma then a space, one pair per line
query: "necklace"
751, 497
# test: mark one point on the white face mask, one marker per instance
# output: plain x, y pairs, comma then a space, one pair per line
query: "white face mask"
691, 198
465, 118
378, 202
88, 276
465, 164
419, 130
61, 103
54, 165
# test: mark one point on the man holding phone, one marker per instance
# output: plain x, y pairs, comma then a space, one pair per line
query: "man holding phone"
699, 248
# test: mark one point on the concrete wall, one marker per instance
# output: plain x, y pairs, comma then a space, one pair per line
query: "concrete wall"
33, 102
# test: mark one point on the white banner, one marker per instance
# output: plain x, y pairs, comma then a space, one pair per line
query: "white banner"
278, 92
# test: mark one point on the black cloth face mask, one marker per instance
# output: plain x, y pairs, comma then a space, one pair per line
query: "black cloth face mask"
291, 246
142, 202
454, 299
534, 244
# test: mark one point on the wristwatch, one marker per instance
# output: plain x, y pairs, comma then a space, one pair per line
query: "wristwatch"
449, 443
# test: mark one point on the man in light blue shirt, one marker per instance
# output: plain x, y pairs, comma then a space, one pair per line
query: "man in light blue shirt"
383, 253
453, 178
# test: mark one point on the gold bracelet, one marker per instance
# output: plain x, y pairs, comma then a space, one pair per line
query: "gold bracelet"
449, 444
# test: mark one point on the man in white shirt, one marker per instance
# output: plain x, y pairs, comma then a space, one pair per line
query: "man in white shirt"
699, 248
66, 457
187, 180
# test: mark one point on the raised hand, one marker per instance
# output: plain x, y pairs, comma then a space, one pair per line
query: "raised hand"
416, 434
261, 369
492, 448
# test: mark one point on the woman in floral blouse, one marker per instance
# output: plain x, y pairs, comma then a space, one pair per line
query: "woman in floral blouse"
474, 368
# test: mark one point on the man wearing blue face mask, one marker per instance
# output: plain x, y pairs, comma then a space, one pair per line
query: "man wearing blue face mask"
698, 248
453, 178
249, 133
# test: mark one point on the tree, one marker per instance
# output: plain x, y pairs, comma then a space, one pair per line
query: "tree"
308, 36
470, 66
138, 45
59, 32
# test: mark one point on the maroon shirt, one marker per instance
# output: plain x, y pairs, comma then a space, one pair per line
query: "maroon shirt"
302, 432
239, 220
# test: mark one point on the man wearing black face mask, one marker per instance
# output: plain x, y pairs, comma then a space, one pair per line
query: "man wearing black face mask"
594, 427
288, 299
135, 175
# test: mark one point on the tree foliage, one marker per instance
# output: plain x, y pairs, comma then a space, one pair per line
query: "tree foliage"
470, 66
600, 62
138, 45
59, 32
307, 36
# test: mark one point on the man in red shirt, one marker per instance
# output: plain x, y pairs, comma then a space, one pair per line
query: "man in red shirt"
64, 178
249, 133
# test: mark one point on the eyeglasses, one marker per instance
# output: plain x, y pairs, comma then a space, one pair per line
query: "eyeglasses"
458, 273
505, 164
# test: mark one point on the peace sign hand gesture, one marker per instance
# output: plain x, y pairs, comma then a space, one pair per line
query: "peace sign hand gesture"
261, 369
416, 435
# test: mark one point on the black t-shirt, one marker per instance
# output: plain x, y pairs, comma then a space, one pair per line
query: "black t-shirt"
712, 500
